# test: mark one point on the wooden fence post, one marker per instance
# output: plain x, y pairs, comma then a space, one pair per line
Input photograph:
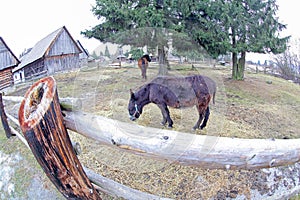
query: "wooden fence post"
4, 119
42, 124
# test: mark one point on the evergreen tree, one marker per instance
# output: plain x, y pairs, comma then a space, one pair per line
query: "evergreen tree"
218, 26
239, 26
138, 23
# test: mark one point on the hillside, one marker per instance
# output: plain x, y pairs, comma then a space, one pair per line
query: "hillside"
261, 106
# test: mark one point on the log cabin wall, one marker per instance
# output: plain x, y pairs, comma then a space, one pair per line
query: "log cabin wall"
61, 63
84, 56
63, 45
35, 70
7, 61
6, 79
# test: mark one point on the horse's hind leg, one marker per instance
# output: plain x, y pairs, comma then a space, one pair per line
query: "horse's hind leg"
198, 122
207, 113
201, 113
144, 71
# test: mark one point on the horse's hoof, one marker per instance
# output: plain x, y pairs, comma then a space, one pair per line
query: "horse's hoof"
162, 123
194, 128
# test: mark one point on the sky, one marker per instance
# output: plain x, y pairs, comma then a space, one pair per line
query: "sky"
24, 23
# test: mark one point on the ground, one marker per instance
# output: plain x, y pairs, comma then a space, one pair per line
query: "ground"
261, 106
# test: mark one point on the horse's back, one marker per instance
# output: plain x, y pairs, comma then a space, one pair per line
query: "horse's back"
188, 90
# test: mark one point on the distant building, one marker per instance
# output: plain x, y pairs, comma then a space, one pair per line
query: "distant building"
56, 52
7, 62
83, 56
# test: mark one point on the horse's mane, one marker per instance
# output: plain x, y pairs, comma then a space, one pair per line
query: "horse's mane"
147, 57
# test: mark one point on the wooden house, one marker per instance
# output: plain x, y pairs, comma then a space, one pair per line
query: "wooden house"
56, 52
83, 56
7, 62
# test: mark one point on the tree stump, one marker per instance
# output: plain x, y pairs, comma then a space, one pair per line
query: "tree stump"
42, 124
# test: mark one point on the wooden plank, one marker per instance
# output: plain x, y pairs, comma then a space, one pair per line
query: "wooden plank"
187, 149
42, 125
19, 136
118, 190
67, 103
4, 119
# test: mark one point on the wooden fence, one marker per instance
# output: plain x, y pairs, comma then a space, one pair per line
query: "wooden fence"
44, 126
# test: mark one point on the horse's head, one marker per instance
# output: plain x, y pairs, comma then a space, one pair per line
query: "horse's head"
133, 108
147, 57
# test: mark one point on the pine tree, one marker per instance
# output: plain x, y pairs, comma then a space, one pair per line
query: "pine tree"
220, 27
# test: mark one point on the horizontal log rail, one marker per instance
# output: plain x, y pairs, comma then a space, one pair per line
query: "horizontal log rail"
183, 148
187, 149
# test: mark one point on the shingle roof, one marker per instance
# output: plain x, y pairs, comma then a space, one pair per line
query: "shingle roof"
9, 59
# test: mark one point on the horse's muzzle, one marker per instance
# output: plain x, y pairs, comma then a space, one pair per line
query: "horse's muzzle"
132, 118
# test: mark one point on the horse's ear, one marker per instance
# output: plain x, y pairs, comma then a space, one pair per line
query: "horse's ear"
132, 94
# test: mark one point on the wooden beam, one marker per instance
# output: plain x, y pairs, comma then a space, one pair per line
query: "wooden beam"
4, 119
19, 136
42, 125
115, 189
187, 149
68, 103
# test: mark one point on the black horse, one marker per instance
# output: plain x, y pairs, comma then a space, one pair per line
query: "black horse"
176, 92
143, 65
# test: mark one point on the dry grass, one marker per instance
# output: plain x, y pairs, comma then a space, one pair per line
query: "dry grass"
249, 109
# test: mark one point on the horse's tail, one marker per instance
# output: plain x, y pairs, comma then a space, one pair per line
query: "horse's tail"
214, 95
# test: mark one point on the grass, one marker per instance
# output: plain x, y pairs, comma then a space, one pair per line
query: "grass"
261, 106
24, 168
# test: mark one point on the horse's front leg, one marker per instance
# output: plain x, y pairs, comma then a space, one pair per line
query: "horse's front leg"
166, 115
207, 113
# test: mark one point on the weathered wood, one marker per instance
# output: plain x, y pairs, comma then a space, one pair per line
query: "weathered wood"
4, 119
106, 185
16, 99
42, 124
68, 103
14, 120
19, 136
184, 148
118, 190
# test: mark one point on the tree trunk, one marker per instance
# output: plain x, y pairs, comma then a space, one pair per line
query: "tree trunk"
238, 68
234, 65
241, 66
42, 124
163, 64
